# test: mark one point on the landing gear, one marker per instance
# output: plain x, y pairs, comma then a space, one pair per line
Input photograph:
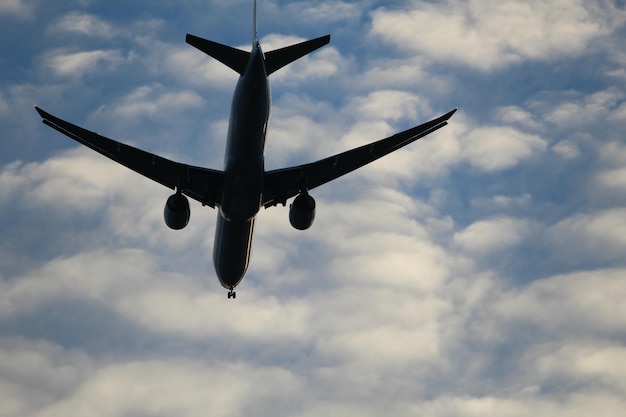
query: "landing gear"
232, 294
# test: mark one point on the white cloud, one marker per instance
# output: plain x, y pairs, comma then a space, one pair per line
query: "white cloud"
36, 373
19, 8
181, 387
152, 101
588, 361
408, 346
618, 73
328, 11
497, 148
485, 237
619, 114
613, 179
488, 35
566, 149
503, 202
130, 282
76, 181
389, 105
193, 314
86, 25
4, 107
613, 154
79, 63
579, 110
395, 73
494, 405
395, 261
517, 115
580, 303
595, 235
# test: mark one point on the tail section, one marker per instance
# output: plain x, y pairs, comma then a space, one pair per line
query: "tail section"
237, 59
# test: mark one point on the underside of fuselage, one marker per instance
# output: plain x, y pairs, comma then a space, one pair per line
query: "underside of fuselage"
231, 252
244, 170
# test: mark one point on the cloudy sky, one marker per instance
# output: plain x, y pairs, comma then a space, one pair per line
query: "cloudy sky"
479, 272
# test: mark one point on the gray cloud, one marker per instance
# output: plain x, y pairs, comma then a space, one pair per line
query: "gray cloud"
16, 8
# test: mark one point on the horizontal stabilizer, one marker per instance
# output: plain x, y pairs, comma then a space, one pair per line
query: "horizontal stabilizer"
231, 57
275, 60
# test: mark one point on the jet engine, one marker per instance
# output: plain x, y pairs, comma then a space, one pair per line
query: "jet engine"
302, 211
177, 211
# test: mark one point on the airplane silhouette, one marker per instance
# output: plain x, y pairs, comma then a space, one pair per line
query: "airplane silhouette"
243, 186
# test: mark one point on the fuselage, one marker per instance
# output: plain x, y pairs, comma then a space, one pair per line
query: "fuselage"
244, 171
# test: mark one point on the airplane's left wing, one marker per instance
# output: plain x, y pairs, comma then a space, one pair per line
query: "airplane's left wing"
201, 184
282, 184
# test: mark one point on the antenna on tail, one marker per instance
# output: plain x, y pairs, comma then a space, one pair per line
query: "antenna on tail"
255, 34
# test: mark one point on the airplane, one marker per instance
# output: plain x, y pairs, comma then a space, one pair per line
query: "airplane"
243, 186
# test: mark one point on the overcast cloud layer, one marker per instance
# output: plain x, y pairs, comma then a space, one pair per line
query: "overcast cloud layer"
479, 272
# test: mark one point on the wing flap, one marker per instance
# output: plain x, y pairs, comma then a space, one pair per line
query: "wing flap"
282, 184
201, 184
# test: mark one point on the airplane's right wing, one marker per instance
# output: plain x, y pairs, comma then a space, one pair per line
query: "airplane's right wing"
282, 184
201, 184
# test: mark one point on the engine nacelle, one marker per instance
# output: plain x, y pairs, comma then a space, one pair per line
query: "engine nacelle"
302, 211
177, 211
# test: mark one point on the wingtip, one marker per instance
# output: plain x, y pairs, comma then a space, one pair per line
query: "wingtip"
42, 113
